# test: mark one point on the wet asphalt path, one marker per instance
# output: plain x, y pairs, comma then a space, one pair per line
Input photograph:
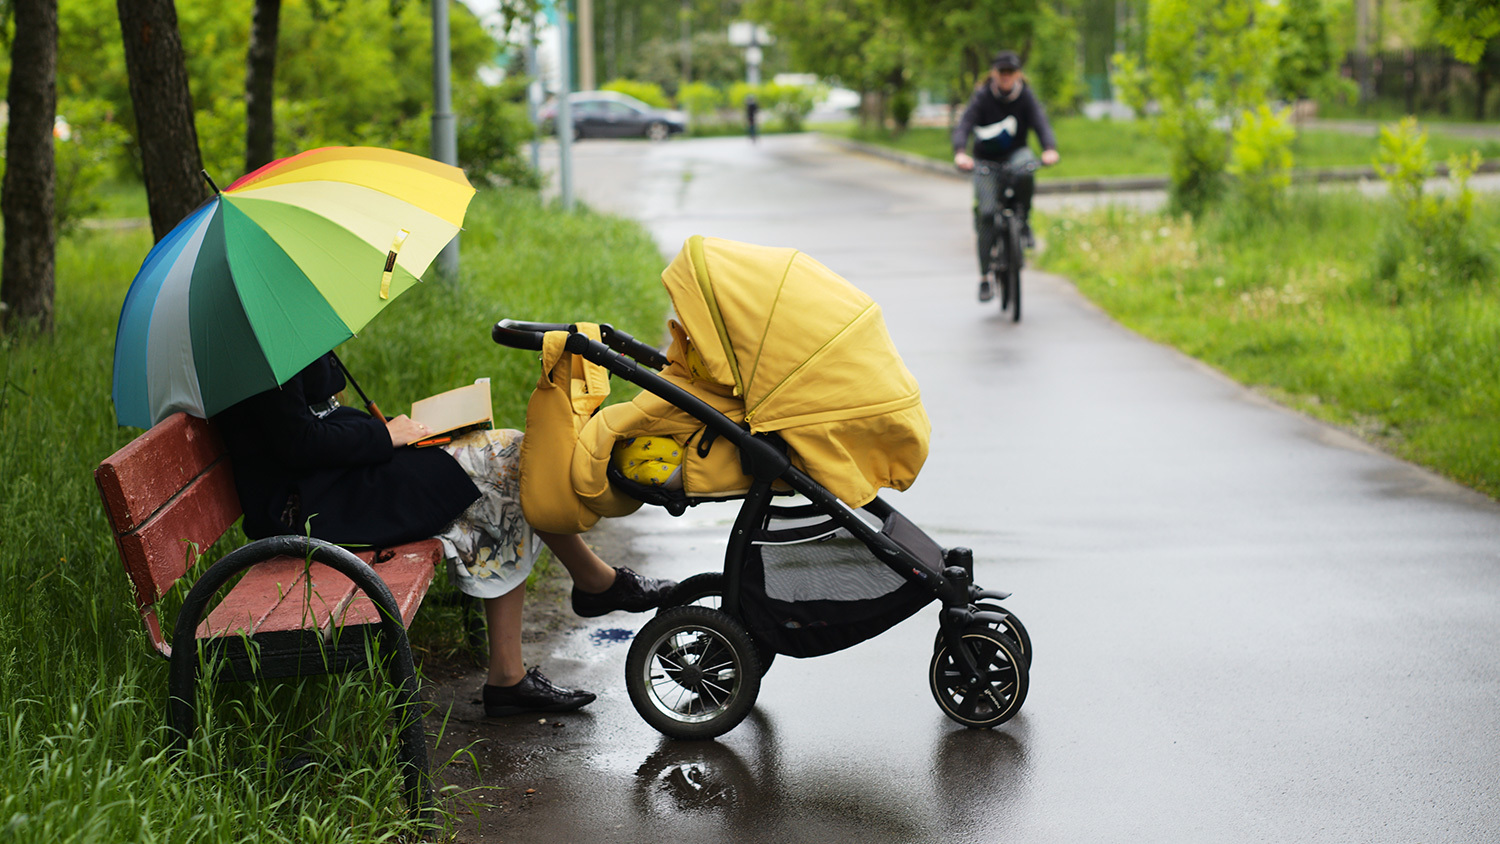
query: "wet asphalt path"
1248, 626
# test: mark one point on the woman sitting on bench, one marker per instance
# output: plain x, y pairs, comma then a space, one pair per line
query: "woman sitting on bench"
303, 464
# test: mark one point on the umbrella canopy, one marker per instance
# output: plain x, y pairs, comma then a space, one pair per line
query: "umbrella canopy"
809, 354
275, 270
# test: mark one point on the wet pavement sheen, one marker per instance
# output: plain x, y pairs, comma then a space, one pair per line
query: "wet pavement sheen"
1248, 626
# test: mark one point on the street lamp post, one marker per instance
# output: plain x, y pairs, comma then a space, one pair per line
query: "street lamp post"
751, 37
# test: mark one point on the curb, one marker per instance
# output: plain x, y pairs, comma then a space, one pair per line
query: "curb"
1115, 184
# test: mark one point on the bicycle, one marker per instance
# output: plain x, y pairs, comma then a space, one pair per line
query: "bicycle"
1007, 252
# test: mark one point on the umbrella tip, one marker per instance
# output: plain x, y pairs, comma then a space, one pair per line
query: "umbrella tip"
210, 180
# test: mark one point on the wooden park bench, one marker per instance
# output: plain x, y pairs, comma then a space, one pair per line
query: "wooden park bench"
302, 606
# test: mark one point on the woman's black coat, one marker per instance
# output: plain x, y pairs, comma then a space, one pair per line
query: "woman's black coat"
338, 472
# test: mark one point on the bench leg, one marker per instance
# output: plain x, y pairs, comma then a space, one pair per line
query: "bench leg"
182, 683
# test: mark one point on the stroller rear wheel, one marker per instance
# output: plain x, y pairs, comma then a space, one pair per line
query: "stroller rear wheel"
693, 672
1000, 689
707, 590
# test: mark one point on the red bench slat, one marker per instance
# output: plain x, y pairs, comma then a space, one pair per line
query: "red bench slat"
139, 478
407, 575
259, 592
156, 553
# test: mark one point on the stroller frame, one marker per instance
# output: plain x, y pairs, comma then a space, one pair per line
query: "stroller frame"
981, 663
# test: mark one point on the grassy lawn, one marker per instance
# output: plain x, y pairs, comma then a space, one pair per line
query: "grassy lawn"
1290, 306
1092, 148
81, 693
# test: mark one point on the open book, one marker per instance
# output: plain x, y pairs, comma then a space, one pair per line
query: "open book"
455, 412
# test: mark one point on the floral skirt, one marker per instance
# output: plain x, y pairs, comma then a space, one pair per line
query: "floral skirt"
490, 547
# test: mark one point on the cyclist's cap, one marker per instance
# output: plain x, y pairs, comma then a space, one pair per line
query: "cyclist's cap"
1006, 60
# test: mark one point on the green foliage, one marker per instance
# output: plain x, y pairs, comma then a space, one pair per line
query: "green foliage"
1054, 70
82, 694
1283, 307
700, 99
1205, 62
1307, 57
1466, 26
790, 103
647, 92
493, 128
1430, 245
1261, 158
85, 161
347, 73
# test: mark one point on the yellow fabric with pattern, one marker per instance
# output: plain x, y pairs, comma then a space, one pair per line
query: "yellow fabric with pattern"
652, 461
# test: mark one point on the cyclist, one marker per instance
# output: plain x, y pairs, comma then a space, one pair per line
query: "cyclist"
1001, 115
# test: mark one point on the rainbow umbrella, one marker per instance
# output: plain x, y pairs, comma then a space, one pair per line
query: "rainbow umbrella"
274, 271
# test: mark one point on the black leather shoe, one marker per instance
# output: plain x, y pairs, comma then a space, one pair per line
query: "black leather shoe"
986, 290
630, 592
534, 693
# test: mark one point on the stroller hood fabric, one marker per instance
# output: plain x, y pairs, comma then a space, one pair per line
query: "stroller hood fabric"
809, 355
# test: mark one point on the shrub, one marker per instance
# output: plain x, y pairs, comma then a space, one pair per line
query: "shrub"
1261, 158
649, 93
700, 99
492, 130
1429, 243
85, 160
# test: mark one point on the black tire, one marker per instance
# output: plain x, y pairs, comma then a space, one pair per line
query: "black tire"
658, 131
1004, 678
693, 672
1012, 628
1013, 267
998, 262
707, 590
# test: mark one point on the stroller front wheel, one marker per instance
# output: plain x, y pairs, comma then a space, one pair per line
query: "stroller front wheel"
1000, 689
1011, 627
693, 672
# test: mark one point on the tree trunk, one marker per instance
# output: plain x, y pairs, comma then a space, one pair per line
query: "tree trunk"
260, 85
168, 137
26, 199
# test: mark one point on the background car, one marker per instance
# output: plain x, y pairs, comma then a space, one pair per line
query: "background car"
607, 114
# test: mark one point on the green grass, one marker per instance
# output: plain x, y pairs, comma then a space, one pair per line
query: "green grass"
81, 692
1095, 148
1287, 304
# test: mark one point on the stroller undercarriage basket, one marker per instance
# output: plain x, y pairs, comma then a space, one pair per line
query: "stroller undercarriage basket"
811, 588
803, 581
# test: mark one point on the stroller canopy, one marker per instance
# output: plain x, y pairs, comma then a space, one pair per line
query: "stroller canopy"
810, 356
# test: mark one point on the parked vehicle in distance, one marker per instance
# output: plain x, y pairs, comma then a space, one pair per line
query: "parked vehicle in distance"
608, 114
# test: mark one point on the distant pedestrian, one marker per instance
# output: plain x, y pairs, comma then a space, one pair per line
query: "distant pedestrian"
752, 108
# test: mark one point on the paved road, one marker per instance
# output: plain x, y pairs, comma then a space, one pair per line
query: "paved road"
1248, 626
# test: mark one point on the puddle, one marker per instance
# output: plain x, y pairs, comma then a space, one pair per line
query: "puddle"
611, 636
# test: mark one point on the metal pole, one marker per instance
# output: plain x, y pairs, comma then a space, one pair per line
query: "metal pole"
444, 141
564, 109
532, 96
586, 45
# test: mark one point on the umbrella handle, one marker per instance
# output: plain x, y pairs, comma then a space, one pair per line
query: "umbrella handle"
375, 411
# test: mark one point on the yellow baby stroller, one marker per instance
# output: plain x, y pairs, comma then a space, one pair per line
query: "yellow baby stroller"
781, 380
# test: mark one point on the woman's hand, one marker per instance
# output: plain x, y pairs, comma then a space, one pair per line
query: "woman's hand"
404, 430
963, 161
1049, 157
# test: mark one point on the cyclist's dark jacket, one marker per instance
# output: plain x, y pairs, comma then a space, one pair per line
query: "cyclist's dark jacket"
1002, 123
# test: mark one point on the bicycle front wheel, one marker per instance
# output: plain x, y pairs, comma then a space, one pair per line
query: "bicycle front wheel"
1012, 279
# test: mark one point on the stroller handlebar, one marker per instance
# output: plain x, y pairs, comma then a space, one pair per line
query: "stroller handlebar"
528, 335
